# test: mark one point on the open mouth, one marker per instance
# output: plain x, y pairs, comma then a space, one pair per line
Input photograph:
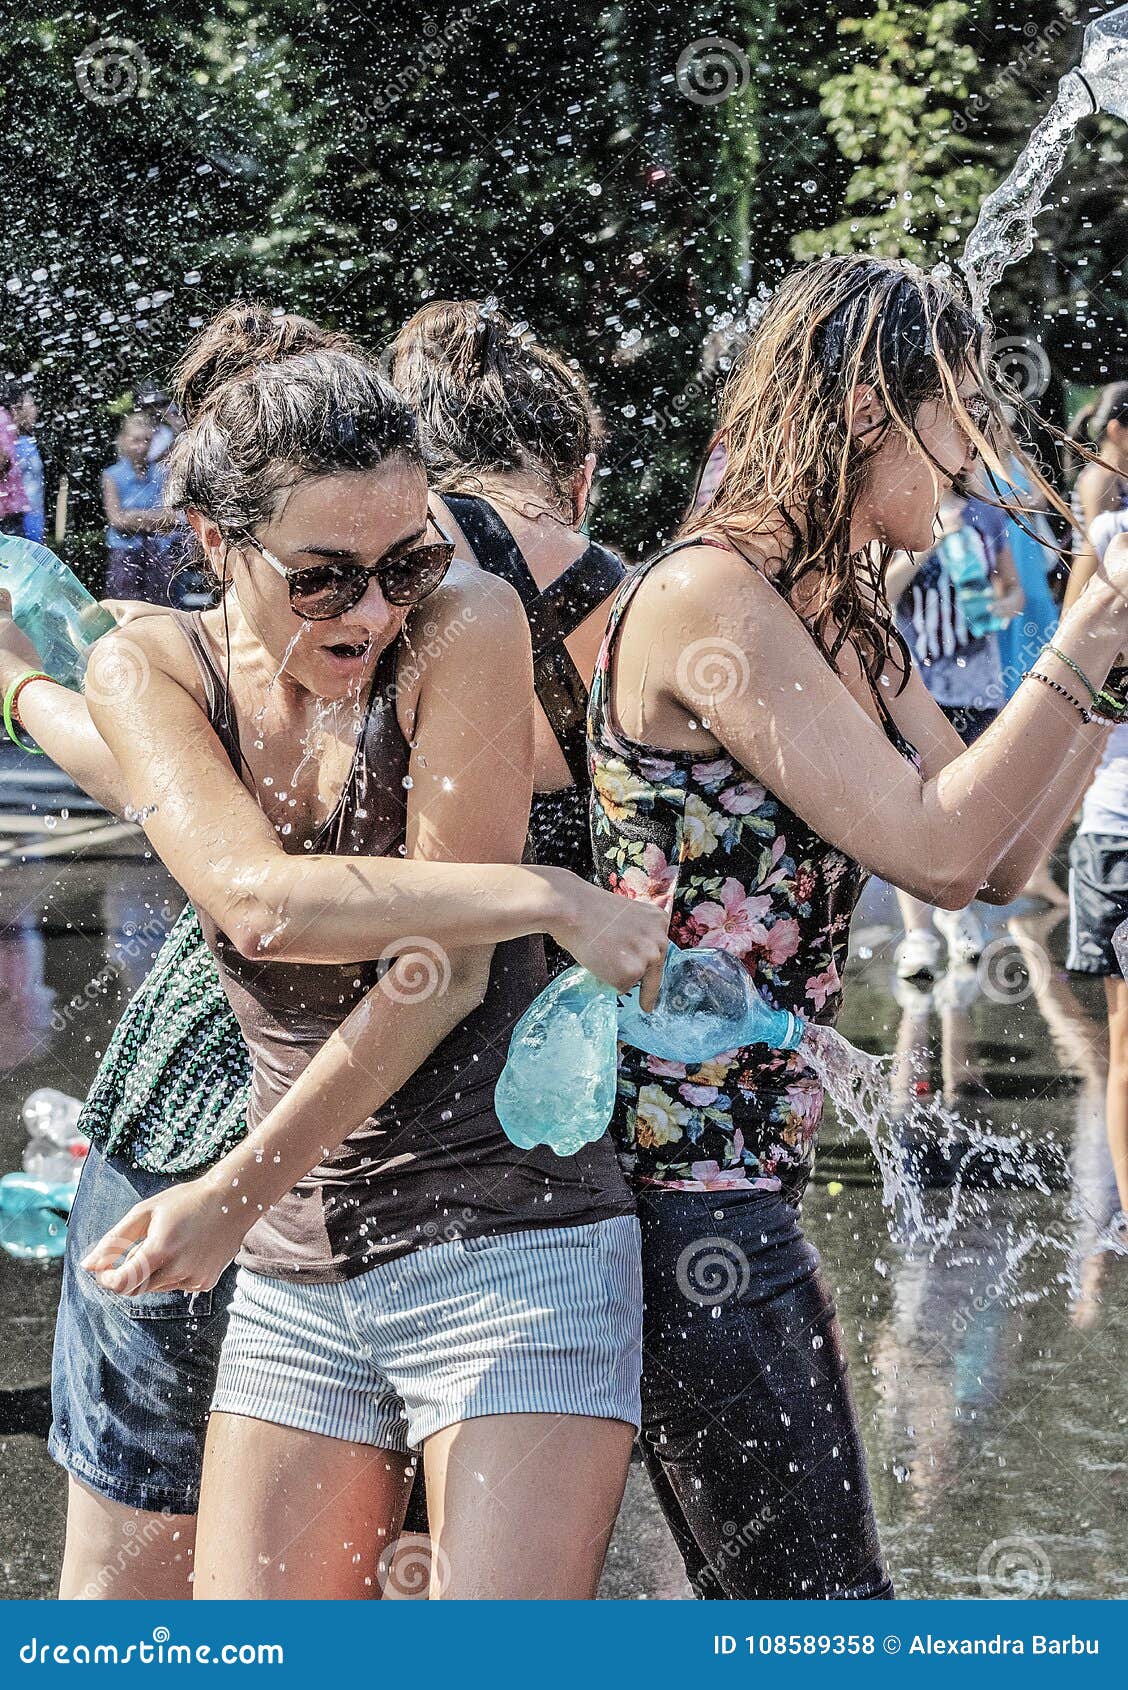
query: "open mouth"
348, 652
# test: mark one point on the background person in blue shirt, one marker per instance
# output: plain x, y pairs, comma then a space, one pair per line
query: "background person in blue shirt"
963, 672
139, 526
20, 403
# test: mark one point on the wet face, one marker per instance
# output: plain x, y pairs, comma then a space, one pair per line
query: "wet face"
25, 412
134, 440
908, 478
355, 519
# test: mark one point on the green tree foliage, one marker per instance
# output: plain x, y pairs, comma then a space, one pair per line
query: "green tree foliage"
620, 177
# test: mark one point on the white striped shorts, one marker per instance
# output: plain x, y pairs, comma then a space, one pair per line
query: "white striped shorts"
547, 1321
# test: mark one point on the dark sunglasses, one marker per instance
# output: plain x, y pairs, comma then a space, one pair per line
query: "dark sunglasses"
325, 590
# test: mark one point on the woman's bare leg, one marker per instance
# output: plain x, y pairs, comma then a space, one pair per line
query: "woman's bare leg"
1116, 997
289, 1514
124, 1554
523, 1505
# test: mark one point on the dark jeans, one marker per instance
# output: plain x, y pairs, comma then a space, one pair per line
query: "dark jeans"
144, 573
749, 1430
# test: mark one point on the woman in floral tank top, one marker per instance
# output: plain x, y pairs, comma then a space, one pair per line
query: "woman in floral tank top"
759, 744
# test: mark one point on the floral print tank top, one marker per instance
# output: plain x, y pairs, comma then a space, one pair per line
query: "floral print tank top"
739, 871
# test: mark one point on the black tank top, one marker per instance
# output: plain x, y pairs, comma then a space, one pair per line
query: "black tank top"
559, 829
434, 1165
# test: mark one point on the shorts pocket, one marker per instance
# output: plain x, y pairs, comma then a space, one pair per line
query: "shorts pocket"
537, 1238
157, 1305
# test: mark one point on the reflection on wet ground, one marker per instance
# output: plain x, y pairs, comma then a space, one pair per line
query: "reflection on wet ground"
991, 1394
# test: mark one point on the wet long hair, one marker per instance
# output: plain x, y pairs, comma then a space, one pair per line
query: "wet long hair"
490, 399
793, 466
270, 399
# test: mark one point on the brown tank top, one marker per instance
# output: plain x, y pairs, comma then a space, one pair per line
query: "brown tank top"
433, 1166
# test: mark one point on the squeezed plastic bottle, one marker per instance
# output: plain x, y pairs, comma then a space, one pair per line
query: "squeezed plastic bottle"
1104, 62
558, 1084
58, 1166
53, 1115
1120, 946
33, 1217
52, 607
966, 567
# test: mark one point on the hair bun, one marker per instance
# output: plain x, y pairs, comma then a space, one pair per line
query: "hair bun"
242, 337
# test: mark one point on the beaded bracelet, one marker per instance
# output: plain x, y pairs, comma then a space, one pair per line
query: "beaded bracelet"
1113, 707
1063, 692
11, 709
1063, 657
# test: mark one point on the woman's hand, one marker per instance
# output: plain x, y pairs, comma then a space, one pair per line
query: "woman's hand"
620, 940
17, 654
180, 1240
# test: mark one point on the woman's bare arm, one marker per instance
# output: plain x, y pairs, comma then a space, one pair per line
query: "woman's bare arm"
470, 797
798, 727
926, 727
1098, 490
217, 843
469, 802
1010, 598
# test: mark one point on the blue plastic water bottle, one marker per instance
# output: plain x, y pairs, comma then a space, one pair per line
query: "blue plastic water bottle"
52, 607
558, 1084
707, 1005
33, 1217
965, 564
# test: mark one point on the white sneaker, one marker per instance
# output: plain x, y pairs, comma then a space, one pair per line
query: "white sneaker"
964, 932
959, 988
919, 956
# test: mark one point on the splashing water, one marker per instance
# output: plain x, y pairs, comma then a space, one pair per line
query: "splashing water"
1004, 231
977, 1160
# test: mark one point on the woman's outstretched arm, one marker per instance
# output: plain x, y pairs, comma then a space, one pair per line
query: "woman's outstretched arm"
796, 724
470, 797
221, 848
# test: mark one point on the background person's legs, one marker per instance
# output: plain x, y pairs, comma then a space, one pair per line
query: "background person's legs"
1116, 996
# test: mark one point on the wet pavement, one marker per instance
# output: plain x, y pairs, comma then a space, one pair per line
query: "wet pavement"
990, 1379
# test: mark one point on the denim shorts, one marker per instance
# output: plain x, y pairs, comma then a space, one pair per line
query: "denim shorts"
1098, 901
547, 1321
131, 1377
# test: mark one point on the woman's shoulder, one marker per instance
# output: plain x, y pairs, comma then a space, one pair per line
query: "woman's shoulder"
471, 596
143, 646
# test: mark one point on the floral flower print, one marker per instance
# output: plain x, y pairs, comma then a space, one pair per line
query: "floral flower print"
741, 872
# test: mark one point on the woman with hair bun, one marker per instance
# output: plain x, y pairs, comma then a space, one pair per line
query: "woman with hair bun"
292, 744
511, 439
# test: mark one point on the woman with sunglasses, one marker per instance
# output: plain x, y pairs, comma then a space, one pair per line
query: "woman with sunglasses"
760, 743
328, 583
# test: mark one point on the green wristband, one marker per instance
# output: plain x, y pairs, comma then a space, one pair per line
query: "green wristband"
10, 698
1093, 692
